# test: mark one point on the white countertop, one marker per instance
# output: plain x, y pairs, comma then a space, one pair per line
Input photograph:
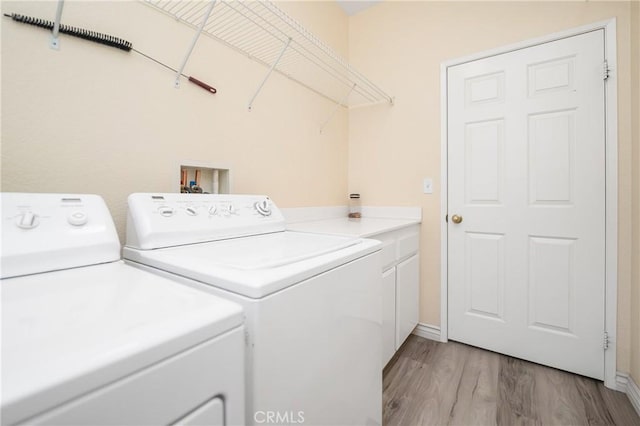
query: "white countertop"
375, 221
364, 227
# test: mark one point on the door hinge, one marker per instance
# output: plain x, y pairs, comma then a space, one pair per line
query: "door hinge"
446, 218
605, 343
605, 70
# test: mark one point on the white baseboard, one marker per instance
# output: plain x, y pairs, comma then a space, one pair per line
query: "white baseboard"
626, 384
427, 331
633, 392
622, 379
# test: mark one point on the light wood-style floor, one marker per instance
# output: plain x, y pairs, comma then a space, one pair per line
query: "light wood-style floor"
433, 383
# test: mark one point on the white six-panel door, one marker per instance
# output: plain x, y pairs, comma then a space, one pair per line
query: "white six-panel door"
526, 164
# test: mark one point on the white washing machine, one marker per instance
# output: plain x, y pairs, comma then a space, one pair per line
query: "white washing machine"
312, 302
89, 340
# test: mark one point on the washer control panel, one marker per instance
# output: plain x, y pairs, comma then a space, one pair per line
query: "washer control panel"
45, 232
234, 207
164, 220
263, 207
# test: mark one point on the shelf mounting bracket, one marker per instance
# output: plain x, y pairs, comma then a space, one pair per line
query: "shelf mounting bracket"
193, 42
266, 77
55, 42
344, 102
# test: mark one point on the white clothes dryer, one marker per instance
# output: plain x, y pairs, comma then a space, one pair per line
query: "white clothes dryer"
89, 340
312, 302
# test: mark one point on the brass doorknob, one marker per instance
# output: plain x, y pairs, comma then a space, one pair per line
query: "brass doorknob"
456, 219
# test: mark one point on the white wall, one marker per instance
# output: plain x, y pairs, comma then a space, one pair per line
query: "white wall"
90, 118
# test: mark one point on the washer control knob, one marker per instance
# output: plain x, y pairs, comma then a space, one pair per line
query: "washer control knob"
226, 210
166, 211
78, 218
191, 211
263, 207
27, 220
213, 210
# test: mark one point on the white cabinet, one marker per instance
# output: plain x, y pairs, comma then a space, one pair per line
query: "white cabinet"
407, 296
388, 314
400, 287
400, 237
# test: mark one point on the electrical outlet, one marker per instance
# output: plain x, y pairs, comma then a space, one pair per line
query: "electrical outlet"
427, 186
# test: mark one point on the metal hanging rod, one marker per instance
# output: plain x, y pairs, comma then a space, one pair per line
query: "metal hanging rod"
323, 125
260, 29
55, 42
266, 77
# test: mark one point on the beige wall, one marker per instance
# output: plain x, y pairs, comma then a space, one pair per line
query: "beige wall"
635, 261
401, 45
89, 118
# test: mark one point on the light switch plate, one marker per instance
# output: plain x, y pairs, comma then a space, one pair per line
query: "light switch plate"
427, 186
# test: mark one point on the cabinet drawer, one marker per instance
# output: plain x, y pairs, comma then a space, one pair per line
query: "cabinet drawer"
398, 245
388, 251
388, 254
407, 245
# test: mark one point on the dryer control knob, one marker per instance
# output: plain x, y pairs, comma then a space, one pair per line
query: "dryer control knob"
77, 218
27, 220
263, 207
166, 211
191, 211
213, 210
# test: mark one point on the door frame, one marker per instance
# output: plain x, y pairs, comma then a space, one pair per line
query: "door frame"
611, 177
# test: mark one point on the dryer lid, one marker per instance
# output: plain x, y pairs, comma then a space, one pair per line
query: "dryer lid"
67, 332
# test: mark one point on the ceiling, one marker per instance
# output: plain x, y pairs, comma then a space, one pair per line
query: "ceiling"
351, 7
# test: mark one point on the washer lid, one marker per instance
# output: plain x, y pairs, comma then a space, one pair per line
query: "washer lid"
258, 265
269, 251
65, 333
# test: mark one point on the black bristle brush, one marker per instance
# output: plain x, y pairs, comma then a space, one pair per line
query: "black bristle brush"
106, 39
96, 37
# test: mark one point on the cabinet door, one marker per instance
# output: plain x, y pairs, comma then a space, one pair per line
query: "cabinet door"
407, 296
388, 314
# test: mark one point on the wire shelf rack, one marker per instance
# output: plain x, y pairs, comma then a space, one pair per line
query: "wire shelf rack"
266, 34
